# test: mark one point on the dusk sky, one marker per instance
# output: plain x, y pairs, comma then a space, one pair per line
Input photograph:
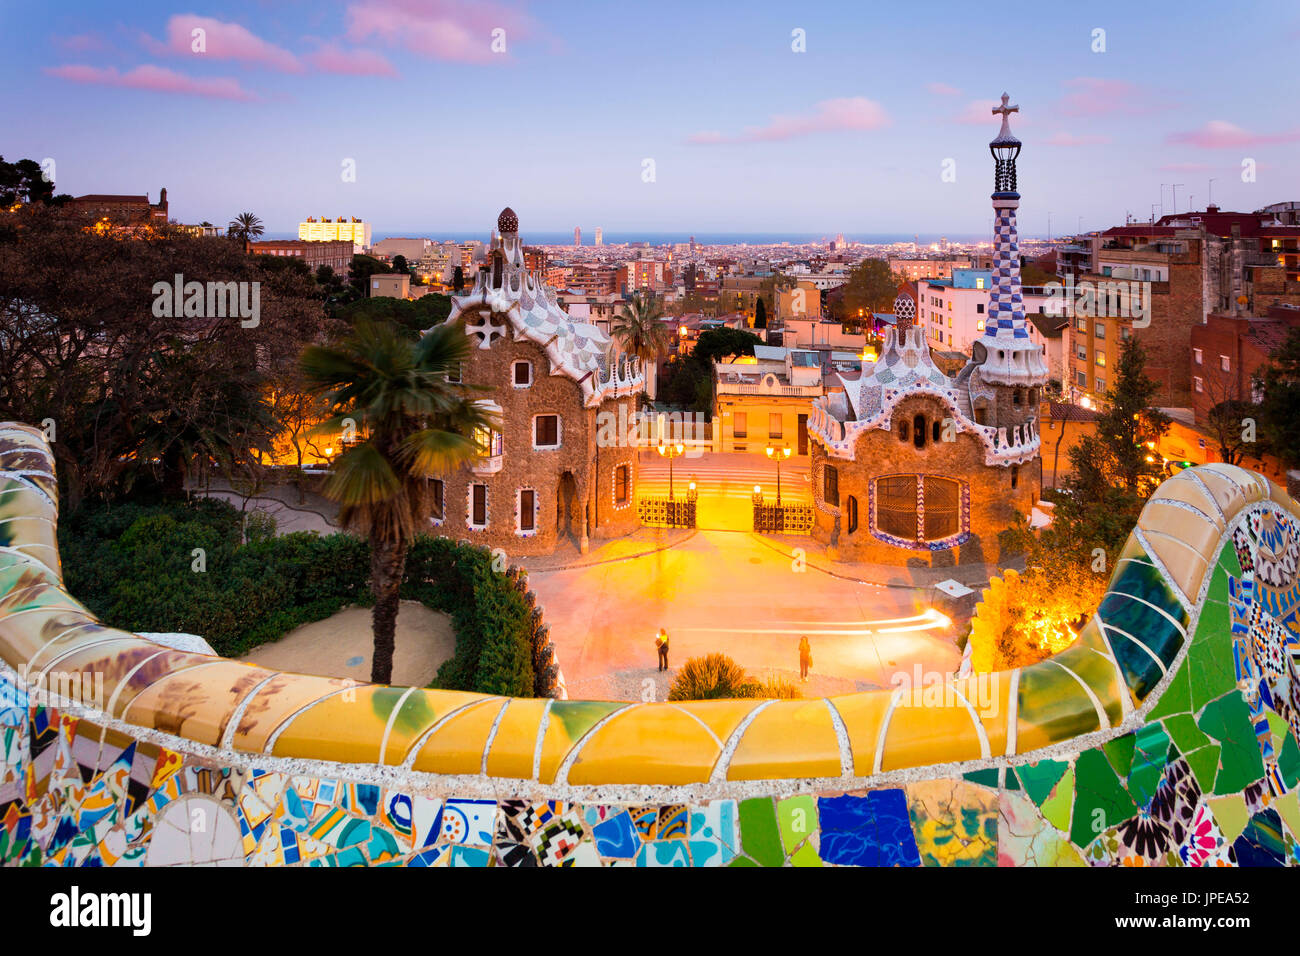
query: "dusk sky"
745, 134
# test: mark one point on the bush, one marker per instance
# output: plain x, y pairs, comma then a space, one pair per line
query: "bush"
133, 566
717, 677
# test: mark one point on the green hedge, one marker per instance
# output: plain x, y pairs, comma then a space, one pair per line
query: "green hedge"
132, 565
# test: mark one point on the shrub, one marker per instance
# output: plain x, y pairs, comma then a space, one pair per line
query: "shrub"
132, 566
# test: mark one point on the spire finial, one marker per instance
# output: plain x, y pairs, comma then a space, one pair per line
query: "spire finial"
1006, 109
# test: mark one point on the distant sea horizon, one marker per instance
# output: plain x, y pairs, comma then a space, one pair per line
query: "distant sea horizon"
612, 238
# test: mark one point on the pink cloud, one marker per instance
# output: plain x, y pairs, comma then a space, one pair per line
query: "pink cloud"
331, 58
457, 30
81, 42
1093, 96
942, 89
1219, 134
1070, 139
847, 113
222, 41
154, 78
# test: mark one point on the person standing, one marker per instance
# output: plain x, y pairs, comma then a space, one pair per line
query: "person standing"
805, 657
661, 643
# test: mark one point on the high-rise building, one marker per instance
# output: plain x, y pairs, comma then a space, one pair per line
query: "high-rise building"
600, 239
335, 230
577, 236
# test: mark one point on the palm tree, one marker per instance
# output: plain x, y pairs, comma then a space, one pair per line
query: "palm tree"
416, 424
245, 227
641, 332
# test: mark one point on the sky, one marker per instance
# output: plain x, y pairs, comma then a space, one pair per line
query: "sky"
667, 116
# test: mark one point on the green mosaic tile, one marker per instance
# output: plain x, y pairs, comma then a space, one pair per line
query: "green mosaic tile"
1091, 663
1146, 582
760, 838
1210, 657
1177, 698
1288, 762
1056, 808
1230, 813
1100, 802
1119, 752
1185, 734
1053, 701
1227, 720
806, 856
1039, 778
797, 818
1205, 766
987, 777
1149, 759
742, 861
1009, 780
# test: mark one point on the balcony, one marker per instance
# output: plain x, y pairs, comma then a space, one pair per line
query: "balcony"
488, 465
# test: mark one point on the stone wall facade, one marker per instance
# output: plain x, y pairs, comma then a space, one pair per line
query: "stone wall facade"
573, 484
988, 498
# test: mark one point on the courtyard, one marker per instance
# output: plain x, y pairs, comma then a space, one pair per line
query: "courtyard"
736, 593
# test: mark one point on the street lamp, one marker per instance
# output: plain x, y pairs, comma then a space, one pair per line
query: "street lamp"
670, 452
778, 453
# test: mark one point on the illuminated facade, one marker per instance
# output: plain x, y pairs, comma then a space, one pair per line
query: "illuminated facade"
334, 230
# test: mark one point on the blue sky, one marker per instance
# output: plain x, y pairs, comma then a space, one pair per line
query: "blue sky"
745, 134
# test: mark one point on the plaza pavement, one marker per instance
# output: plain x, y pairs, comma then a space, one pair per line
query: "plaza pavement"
732, 592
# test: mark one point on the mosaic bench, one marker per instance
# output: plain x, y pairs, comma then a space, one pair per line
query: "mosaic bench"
1166, 735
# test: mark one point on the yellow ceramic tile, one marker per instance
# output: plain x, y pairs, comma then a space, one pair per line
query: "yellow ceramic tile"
1184, 488
277, 701
1230, 485
862, 715
196, 703
1184, 564
650, 744
790, 738
516, 739
83, 634
31, 533
927, 733
457, 746
568, 722
23, 635
346, 727
420, 711
1198, 533
155, 664
720, 716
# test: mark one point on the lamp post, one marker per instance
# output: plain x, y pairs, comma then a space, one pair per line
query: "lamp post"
670, 452
778, 453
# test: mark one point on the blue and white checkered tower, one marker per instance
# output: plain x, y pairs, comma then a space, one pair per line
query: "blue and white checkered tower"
1012, 359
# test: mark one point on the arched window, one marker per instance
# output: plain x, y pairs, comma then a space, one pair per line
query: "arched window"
904, 430
936, 430
1015, 397
918, 431
851, 512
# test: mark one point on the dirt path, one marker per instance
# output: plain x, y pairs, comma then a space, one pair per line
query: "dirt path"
341, 646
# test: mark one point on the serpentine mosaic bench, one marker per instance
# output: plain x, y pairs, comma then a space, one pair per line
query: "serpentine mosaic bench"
1166, 735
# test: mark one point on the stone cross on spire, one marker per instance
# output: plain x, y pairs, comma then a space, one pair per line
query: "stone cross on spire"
1006, 111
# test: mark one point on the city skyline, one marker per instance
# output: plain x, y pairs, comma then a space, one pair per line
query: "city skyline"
875, 128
